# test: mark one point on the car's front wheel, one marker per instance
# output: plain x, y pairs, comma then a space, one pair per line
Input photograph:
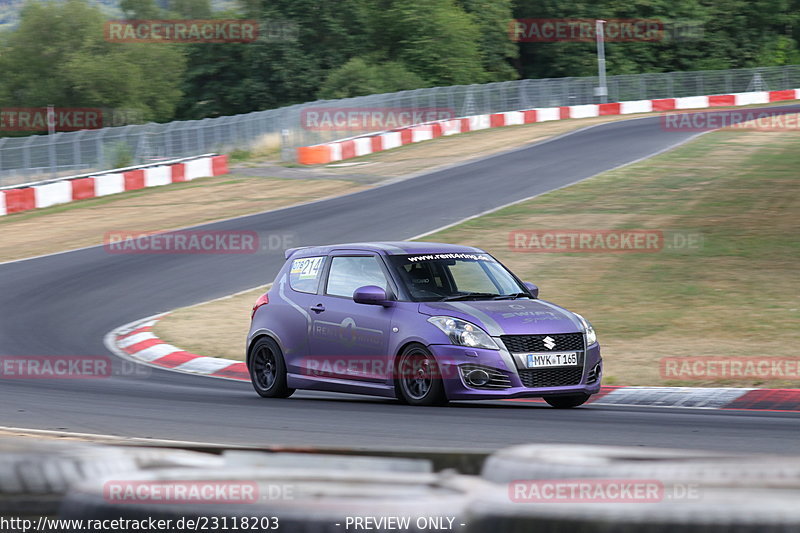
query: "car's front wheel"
268, 369
418, 380
566, 402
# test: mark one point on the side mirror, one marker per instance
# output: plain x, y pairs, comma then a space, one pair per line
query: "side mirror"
370, 295
533, 289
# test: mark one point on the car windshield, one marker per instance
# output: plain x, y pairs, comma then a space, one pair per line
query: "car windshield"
456, 276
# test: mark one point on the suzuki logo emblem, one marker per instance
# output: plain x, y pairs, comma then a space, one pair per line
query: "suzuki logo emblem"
549, 343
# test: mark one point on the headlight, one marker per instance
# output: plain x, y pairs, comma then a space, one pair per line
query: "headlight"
588, 330
463, 333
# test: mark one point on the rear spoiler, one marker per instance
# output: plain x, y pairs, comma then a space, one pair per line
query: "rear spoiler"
289, 251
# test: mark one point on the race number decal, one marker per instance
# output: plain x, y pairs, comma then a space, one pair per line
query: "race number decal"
306, 268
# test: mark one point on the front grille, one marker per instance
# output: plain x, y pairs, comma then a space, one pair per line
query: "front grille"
535, 343
535, 378
498, 380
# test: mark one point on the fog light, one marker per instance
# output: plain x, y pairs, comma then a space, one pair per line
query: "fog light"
477, 377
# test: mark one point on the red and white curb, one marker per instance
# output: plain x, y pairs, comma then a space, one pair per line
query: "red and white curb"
73, 188
137, 342
379, 141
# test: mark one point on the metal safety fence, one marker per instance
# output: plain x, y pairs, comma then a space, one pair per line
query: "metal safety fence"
26, 159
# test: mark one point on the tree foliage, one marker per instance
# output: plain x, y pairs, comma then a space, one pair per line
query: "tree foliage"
359, 77
58, 55
732, 34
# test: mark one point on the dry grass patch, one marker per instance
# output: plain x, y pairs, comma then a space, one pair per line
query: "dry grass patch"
160, 208
217, 328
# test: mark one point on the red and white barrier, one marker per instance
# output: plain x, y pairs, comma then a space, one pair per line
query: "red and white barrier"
59, 192
155, 176
71, 189
377, 142
108, 184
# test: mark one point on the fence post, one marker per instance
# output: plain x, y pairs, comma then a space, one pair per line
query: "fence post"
26, 153
2, 142
100, 161
201, 143
76, 152
51, 149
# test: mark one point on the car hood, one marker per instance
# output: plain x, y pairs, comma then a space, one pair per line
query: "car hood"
508, 317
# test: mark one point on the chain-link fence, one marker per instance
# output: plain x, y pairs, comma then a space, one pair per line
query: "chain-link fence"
25, 159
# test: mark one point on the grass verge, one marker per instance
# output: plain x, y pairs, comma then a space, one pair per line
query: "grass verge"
85, 223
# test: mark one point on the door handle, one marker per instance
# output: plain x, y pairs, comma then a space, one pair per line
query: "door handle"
318, 308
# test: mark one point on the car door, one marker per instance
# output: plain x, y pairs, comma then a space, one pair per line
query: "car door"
350, 340
296, 291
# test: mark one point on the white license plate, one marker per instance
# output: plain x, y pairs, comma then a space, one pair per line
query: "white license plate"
540, 360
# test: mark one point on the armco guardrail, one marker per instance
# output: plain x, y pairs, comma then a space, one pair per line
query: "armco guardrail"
71, 188
23, 159
379, 141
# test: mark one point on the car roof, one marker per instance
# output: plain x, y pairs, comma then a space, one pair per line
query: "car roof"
384, 247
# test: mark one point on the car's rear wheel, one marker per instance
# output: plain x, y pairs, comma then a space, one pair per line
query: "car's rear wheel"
418, 380
268, 369
567, 402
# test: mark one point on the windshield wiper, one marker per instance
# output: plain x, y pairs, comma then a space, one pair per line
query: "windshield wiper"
513, 296
469, 295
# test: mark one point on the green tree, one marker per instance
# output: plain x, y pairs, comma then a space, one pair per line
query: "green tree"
58, 55
434, 38
358, 77
323, 35
191, 9
497, 49
734, 34
141, 9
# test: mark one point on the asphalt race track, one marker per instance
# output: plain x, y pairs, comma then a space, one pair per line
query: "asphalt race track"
64, 304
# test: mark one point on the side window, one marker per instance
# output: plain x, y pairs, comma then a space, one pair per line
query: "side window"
349, 273
304, 274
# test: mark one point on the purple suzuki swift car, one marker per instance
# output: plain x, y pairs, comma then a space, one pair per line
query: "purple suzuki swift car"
422, 322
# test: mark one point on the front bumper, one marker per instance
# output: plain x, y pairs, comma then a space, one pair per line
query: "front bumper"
453, 360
